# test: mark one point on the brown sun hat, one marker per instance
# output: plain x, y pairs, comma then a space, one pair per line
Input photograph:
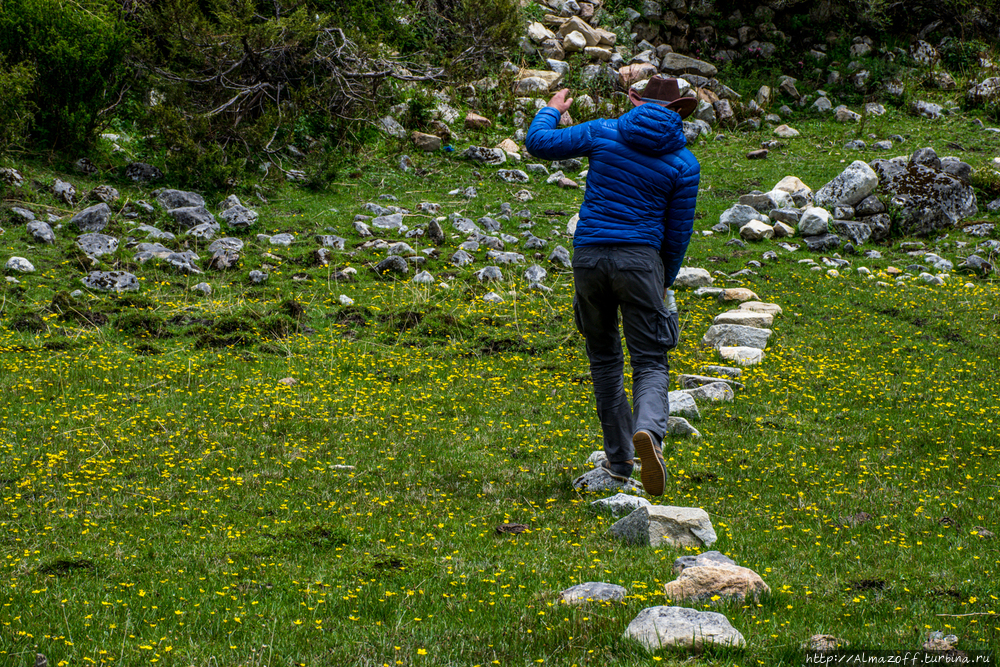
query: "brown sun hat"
667, 93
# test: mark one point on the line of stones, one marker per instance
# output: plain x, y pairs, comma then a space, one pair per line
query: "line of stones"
739, 336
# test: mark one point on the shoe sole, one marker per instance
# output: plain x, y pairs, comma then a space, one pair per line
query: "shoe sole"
653, 474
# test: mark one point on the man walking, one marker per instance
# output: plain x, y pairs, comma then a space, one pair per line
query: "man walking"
634, 228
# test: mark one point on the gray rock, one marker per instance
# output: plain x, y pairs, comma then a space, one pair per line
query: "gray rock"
462, 258
927, 109
227, 243
402, 249
981, 230
955, 167
676, 64
560, 255
104, 193
677, 527
203, 288
488, 273
708, 583
513, 176
535, 273
706, 559
41, 232
739, 215
679, 426
621, 504
683, 405
92, 219
141, 172
851, 186
662, 627
223, 259
789, 216
205, 231
391, 221
686, 381
489, 224
392, 265
28, 216
822, 243
593, 591
870, 205
239, 216
191, 216
727, 371
170, 199
111, 281
534, 243
423, 278
599, 480
505, 257
714, 392
857, 233
97, 245
975, 264
930, 200
938, 263
183, 262
64, 192
258, 277
490, 156
20, 264
735, 335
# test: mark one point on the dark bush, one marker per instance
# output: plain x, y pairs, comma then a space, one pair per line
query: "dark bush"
77, 52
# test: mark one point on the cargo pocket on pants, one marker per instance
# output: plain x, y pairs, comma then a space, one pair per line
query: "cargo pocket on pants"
673, 327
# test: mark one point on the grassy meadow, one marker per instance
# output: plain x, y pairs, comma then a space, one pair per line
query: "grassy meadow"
267, 477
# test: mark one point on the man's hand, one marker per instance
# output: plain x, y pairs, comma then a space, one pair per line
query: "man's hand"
559, 102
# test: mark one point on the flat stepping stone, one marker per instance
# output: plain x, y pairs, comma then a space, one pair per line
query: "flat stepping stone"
693, 381
621, 504
738, 294
593, 591
681, 427
666, 524
705, 559
715, 392
746, 318
705, 583
663, 627
735, 335
683, 405
724, 370
744, 356
599, 480
761, 307
707, 292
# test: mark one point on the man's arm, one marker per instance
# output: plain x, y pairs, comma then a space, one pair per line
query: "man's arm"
679, 223
547, 142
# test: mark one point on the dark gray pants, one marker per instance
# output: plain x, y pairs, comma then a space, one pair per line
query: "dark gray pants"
629, 279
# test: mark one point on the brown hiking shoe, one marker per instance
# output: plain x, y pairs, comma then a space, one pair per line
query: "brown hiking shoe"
620, 476
654, 471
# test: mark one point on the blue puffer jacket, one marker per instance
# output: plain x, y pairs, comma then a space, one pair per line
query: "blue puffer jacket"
642, 182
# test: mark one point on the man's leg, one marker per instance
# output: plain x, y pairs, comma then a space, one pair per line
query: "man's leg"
596, 311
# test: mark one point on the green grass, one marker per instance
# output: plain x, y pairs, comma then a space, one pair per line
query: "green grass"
167, 499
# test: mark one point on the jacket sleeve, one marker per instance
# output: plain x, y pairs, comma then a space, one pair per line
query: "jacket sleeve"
547, 142
679, 223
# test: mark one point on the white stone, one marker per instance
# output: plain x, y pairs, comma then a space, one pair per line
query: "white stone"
621, 504
661, 627
790, 184
755, 230
573, 42
745, 317
742, 356
849, 187
20, 264
666, 524
760, 307
693, 277
814, 221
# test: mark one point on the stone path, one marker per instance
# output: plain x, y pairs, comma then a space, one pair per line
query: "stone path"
739, 335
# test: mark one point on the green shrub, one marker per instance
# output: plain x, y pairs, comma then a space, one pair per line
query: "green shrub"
77, 52
17, 109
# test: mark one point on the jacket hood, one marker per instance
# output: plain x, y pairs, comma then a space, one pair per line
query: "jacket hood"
651, 128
